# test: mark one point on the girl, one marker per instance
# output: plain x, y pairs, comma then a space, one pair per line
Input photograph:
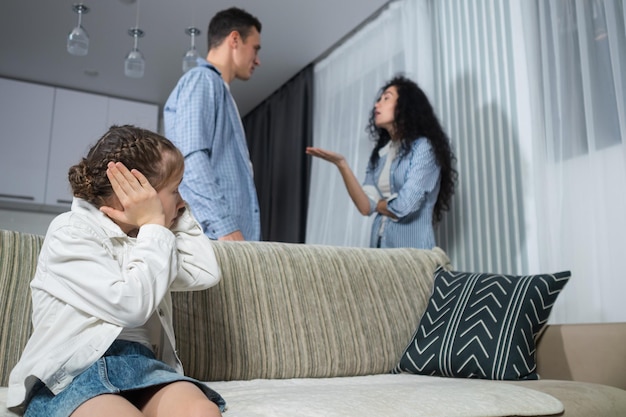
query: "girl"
410, 176
103, 341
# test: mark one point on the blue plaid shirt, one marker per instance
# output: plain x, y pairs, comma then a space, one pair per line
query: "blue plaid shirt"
202, 120
414, 182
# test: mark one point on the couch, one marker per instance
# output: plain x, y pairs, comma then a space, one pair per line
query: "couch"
312, 330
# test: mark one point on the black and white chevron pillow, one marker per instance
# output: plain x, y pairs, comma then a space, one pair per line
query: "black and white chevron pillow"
481, 325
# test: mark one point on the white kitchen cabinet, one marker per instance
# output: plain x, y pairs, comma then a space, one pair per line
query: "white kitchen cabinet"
79, 121
25, 122
46, 130
122, 112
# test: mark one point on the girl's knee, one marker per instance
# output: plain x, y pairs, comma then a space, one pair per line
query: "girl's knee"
203, 408
183, 399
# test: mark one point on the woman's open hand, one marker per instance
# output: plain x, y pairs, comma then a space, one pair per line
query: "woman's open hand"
329, 156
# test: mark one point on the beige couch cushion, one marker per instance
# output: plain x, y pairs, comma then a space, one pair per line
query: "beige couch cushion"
581, 399
590, 352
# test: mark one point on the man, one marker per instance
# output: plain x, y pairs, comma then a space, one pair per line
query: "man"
202, 119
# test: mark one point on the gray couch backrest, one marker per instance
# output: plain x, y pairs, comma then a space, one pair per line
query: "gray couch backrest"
18, 261
292, 310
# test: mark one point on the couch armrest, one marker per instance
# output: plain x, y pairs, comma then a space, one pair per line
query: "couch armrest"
584, 352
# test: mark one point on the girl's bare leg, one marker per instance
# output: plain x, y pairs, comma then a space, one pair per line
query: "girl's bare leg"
179, 399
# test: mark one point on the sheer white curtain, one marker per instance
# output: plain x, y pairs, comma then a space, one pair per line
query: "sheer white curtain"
532, 94
347, 82
577, 66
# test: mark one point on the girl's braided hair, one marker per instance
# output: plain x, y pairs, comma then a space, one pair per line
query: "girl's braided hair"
150, 153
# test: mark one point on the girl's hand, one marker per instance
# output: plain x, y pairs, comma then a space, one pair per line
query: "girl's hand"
329, 156
140, 203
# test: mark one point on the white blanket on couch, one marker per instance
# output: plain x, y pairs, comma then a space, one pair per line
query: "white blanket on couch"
383, 395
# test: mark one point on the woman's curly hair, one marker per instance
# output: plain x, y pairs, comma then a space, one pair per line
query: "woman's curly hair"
150, 153
415, 118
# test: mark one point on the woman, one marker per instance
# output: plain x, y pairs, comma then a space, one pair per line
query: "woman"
410, 177
103, 340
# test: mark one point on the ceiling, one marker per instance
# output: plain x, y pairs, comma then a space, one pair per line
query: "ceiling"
295, 33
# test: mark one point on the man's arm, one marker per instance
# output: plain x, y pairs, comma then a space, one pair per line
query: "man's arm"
236, 235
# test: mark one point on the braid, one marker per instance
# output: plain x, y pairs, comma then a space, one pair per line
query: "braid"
136, 148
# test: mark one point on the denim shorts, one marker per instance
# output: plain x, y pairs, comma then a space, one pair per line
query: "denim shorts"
125, 366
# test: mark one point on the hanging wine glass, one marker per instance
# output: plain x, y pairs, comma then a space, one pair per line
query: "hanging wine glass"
78, 40
134, 63
191, 56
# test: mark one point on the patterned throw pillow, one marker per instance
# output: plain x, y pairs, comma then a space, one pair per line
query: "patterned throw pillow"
481, 325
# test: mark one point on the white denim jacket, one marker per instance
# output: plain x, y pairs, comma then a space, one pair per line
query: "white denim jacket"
93, 280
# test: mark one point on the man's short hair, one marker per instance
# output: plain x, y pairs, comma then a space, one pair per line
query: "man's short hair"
226, 21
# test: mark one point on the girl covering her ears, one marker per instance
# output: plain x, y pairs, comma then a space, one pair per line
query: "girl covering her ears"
103, 341
410, 177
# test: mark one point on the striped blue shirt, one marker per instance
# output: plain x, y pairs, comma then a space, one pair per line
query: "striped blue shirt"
414, 186
201, 118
